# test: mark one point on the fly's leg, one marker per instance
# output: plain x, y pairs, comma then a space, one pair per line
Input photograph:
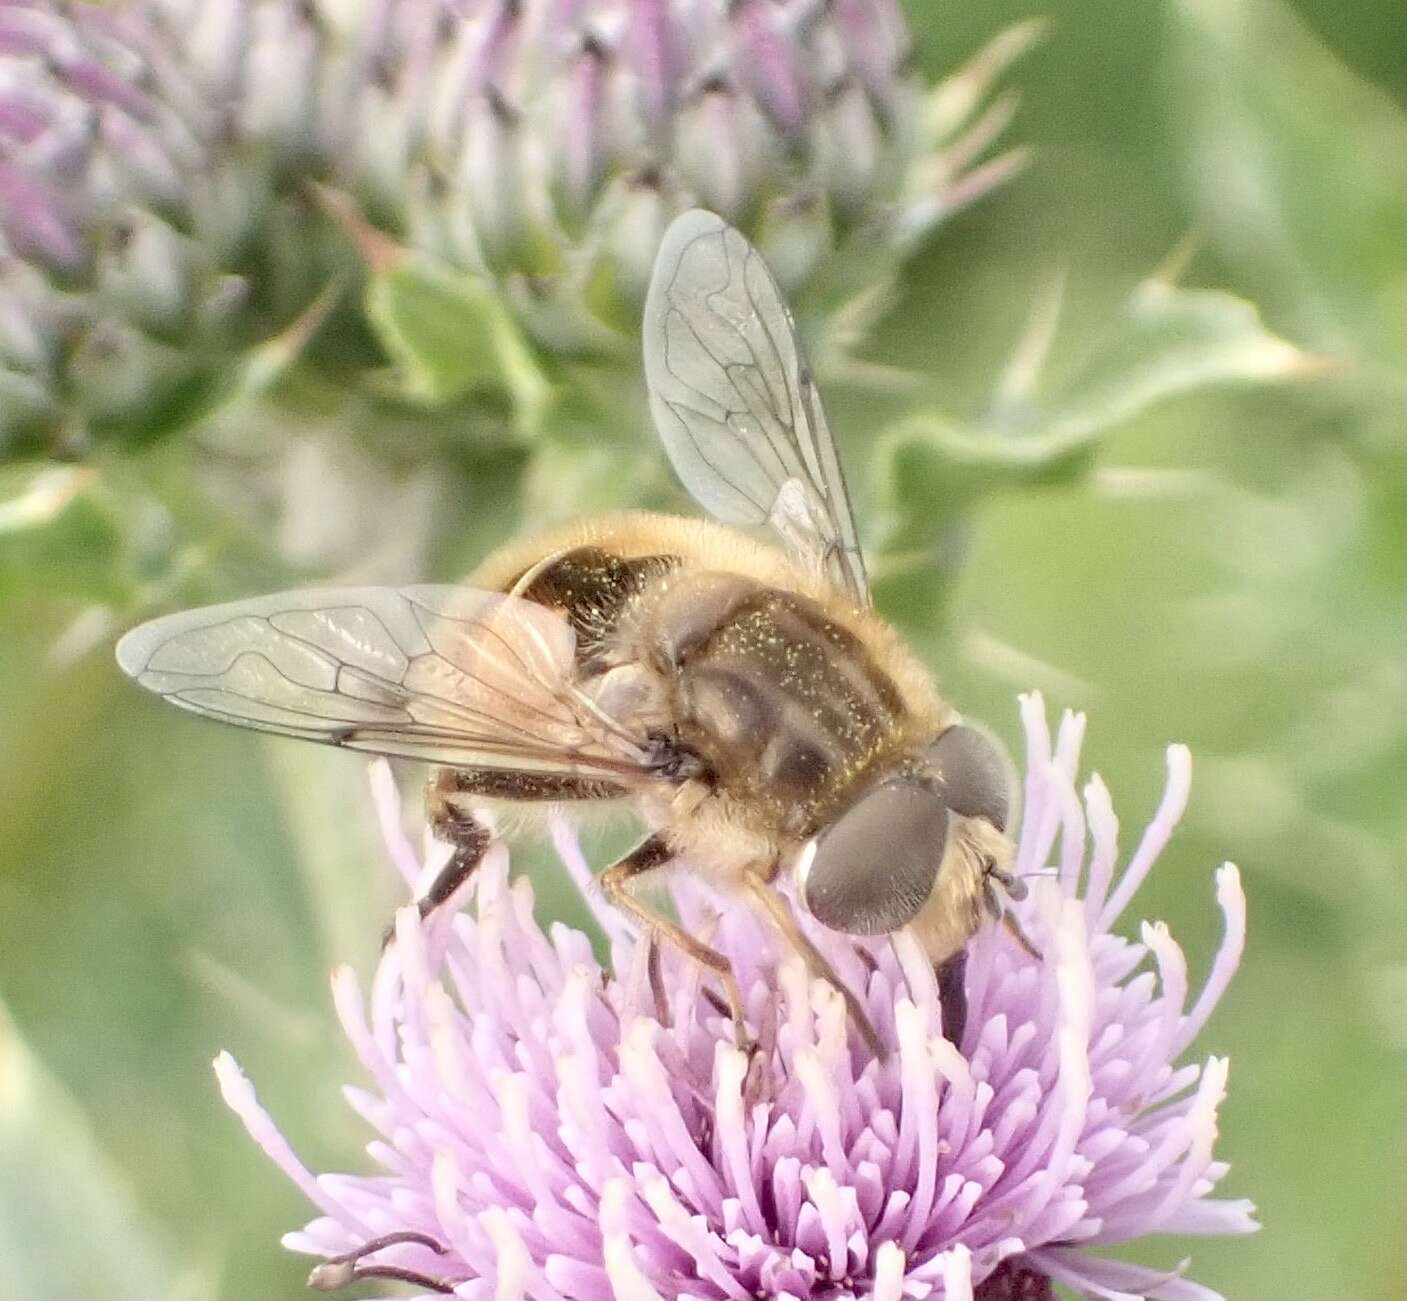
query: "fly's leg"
952, 995
1018, 933
467, 836
449, 822
337, 1272
781, 916
658, 992
1002, 913
617, 882
452, 823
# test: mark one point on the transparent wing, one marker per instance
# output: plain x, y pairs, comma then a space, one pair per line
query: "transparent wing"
445, 674
734, 401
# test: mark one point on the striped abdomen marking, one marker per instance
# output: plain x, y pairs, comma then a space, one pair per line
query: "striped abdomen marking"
591, 587
785, 706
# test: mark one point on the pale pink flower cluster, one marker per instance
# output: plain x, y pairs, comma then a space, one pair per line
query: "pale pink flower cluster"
547, 1129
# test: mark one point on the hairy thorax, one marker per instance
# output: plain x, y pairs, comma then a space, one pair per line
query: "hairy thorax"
784, 706
773, 694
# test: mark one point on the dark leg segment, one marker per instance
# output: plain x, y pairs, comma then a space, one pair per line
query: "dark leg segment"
780, 915
1018, 933
1015, 889
527, 787
616, 882
449, 821
337, 1272
657, 989
455, 827
469, 837
952, 991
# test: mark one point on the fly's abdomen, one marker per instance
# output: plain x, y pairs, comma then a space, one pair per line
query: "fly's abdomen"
782, 703
591, 586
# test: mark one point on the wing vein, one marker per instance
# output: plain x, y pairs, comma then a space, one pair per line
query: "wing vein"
769, 457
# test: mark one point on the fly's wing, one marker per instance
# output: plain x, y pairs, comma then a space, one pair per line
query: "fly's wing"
734, 401
445, 674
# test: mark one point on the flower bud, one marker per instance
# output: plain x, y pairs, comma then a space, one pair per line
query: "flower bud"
156, 160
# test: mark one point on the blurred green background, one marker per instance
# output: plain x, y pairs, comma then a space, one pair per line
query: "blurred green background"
1228, 572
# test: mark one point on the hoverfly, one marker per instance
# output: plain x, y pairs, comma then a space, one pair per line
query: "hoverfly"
746, 699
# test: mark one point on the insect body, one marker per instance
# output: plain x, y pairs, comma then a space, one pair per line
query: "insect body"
746, 699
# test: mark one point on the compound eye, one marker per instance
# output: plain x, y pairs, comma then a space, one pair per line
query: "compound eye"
972, 775
872, 869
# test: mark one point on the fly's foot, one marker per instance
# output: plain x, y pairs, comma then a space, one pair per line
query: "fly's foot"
337, 1272
468, 837
755, 1074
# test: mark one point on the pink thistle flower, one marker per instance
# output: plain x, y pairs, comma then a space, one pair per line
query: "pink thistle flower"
552, 1128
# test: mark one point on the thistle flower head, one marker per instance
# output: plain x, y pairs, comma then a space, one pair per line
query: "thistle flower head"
549, 1127
145, 234
156, 159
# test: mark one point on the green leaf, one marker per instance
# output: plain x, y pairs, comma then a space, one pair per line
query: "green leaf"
449, 334
266, 364
1167, 341
1296, 166
1163, 342
36, 493
58, 532
70, 1224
